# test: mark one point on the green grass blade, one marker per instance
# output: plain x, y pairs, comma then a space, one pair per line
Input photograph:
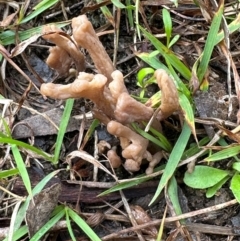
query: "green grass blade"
194, 149
18, 234
43, 230
173, 160
173, 195
130, 183
41, 7
210, 43
8, 173
83, 225
167, 145
8, 140
106, 12
36, 189
69, 226
62, 128
168, 55
8, 37
118, 4
213, 190
130, 15
223, 154
13, 218
90, 131
188, 112
162, 142
167, 24
22, 169
232, 27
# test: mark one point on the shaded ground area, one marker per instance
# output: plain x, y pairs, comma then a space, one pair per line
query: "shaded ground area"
123, 215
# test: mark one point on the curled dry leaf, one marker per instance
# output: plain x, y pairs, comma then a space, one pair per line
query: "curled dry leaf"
142, 217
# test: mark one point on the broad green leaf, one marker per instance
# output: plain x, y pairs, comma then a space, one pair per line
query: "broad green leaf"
235, 186
236, 166
212, 190
210, 43
225, 153
22, 169
204, 177
62, 128
83, 225
173, 160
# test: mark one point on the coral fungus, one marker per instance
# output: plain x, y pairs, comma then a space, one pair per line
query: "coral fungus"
113, 105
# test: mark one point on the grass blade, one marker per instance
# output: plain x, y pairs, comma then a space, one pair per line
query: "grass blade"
223, 154
167, 24
8, 173
37, 236
7, 140
188, 112
41, 7
168, 55
62, 128
69, 226
173, 160
210, 43
36, 189
22, 169
83, 225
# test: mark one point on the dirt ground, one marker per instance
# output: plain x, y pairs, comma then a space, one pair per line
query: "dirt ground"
106, 215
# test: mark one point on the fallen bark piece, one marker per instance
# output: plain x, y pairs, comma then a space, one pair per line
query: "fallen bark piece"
39, 125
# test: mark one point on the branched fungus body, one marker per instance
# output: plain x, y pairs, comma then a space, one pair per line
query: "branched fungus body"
113, 105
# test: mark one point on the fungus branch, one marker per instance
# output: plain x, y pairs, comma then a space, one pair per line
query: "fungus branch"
113, 105
66, 50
